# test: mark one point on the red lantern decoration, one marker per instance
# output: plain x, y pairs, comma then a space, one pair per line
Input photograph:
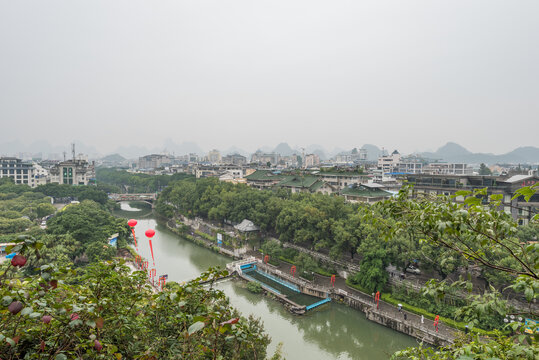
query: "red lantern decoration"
333, 280
266, 259
293, 270
132, 223
150, 233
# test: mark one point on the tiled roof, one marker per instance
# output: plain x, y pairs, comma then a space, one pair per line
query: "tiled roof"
336, 173
317, 185
246, 225
365, 192
264, 175
298, 181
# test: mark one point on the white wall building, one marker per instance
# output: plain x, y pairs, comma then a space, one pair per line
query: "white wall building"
21, 172
73, 172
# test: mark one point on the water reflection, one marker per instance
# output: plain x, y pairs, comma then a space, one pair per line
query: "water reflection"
125, 206
333, 332
131, 209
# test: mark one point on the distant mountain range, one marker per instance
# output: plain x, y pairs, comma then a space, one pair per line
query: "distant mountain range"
113, 158
450, 152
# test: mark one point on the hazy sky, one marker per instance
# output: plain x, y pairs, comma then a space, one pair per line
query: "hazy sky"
410, 74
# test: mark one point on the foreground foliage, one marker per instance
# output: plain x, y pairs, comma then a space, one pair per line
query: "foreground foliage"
50, 309
103, 311
477, 231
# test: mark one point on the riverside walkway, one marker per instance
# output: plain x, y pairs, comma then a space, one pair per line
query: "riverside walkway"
387, 314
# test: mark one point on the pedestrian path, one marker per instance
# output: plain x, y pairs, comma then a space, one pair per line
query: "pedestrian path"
407, 317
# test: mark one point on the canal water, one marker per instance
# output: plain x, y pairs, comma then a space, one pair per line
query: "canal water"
334, 331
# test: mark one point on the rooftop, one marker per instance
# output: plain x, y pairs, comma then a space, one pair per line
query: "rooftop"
264, 175
517, 178
298, 181
246, 226
365, 192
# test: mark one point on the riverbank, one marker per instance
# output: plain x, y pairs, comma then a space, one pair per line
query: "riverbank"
201, 241
335, 332
386, 315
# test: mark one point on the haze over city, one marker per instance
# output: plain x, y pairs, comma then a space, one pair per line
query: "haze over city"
269, 180
405, 75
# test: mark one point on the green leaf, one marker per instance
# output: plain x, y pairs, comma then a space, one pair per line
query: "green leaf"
60, 357
6, 300
529, 294
471, 201
526, 191
90, 323
225, 328
35, 315
26, 311
195, 327
75, 323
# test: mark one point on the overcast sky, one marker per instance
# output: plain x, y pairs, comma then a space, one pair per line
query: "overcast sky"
410, 75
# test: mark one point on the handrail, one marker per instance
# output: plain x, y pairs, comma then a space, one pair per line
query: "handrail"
346, 264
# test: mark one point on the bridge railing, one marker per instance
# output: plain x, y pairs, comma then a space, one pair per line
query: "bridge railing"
141, 196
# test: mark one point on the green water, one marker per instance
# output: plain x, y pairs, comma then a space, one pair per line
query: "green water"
298, 298
332, 332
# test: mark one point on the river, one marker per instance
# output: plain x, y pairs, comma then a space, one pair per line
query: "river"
333, 332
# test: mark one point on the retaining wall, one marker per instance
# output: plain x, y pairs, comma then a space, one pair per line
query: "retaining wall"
422, 333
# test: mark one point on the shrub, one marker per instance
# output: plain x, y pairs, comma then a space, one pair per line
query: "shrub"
419, 311
254, 287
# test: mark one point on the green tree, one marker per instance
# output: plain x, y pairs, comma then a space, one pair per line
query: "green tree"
484, 170
306, 264
43, 210
90, 225
372, 275
485, 236
272, 248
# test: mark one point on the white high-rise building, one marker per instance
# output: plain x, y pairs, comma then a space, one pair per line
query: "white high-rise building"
21, 172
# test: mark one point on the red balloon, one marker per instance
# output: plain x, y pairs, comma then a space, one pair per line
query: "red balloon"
150, 233
132, 222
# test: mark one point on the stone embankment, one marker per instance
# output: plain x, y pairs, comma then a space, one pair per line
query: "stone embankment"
233, 253
386, 314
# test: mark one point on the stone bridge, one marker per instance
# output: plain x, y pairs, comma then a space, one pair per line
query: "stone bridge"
148, 198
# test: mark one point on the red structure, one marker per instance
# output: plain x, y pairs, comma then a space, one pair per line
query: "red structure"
132, 223
293, 270
266, 259
333, 280
377, 299
150, 233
